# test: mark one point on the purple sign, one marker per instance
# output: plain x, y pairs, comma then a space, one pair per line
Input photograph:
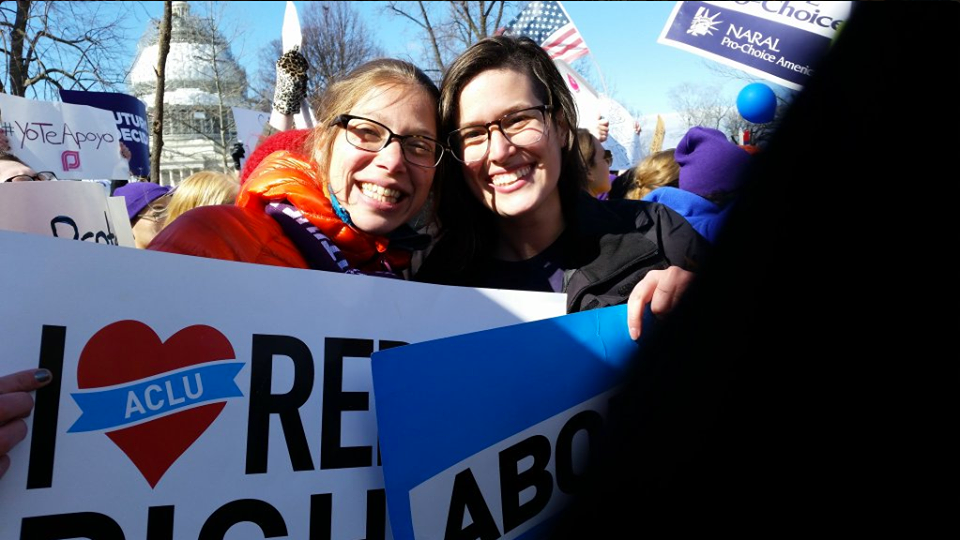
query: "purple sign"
776, 45
131, 116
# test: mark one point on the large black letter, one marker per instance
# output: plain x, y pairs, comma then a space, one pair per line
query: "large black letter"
336, 401
253, 511
160, 523
79, 525
376, 514
321, 516
512, 481
263, 403
43, 439
466, 496
66, 220
590, 421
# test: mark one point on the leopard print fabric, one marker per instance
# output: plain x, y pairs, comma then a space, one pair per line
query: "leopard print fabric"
291, 82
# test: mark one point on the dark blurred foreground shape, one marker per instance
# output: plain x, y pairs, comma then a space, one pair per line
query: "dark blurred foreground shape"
809, 380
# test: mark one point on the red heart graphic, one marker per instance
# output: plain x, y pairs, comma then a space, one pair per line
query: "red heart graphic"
127, 351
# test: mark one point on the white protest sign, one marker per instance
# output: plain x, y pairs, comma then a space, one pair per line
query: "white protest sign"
623, 140
250, 126
196, 398
589, 107
121, 221
293, 37
74, 141
74, 210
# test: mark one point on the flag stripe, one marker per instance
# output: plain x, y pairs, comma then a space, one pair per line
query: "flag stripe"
548, 24
559, 39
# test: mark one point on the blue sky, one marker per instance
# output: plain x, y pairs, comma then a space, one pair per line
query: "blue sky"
622, 37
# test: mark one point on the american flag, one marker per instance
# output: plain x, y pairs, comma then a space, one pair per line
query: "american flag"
548, 24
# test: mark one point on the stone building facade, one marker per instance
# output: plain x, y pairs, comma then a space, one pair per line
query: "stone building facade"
203, 82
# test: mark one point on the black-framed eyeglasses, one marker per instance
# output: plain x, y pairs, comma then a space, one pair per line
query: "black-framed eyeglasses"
372, 136
42, 176
608, 157
520, 128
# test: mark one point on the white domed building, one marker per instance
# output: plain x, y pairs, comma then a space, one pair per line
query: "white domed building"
193, 106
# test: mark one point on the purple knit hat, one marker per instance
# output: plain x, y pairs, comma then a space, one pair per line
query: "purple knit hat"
138, 195
709, 163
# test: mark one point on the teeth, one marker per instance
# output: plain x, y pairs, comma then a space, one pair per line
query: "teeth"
506, 179
380, 193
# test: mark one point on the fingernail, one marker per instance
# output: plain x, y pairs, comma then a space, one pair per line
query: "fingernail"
42, 375
634, 333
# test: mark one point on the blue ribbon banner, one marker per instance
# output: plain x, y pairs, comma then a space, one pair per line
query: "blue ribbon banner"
160, 395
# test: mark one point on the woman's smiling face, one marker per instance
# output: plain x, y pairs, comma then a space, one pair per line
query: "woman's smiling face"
381, 190
513, 181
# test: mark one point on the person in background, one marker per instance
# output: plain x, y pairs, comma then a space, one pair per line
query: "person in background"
656, 170
205, 188
514, 215
598, 168
711, 173
13, 169
146, 208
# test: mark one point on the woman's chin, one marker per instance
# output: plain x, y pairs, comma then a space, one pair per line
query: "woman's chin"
375, 224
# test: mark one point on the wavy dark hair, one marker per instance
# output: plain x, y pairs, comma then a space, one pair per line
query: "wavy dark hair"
466, 226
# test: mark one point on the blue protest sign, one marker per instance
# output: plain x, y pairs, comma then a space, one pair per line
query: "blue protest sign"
778, 41
131, 116
487, 434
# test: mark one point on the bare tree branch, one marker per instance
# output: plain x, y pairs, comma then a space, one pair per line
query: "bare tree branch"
463, 24
44, 39
157, 128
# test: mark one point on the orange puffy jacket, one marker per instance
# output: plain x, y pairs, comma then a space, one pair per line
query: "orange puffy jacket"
230, 233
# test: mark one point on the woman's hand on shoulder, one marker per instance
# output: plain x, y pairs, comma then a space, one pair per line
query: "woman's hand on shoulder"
15, 405
662, 289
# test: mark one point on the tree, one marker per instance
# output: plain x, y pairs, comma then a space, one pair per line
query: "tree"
702, 105
47, 46
202, 81
450, 27
226, 82
335, 41
708, 106
759, 133
157, 126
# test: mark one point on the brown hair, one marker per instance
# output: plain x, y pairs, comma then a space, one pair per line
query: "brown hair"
585, 143
6, 156
342, 95
466, 225
656, 170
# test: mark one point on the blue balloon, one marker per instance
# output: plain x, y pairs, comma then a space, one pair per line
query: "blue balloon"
757, 103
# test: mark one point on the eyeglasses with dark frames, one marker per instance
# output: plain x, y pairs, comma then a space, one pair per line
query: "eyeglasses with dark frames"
521, 128
372, 136
42, 176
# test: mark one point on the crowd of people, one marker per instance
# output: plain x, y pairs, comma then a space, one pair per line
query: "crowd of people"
494, 156
518, 197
